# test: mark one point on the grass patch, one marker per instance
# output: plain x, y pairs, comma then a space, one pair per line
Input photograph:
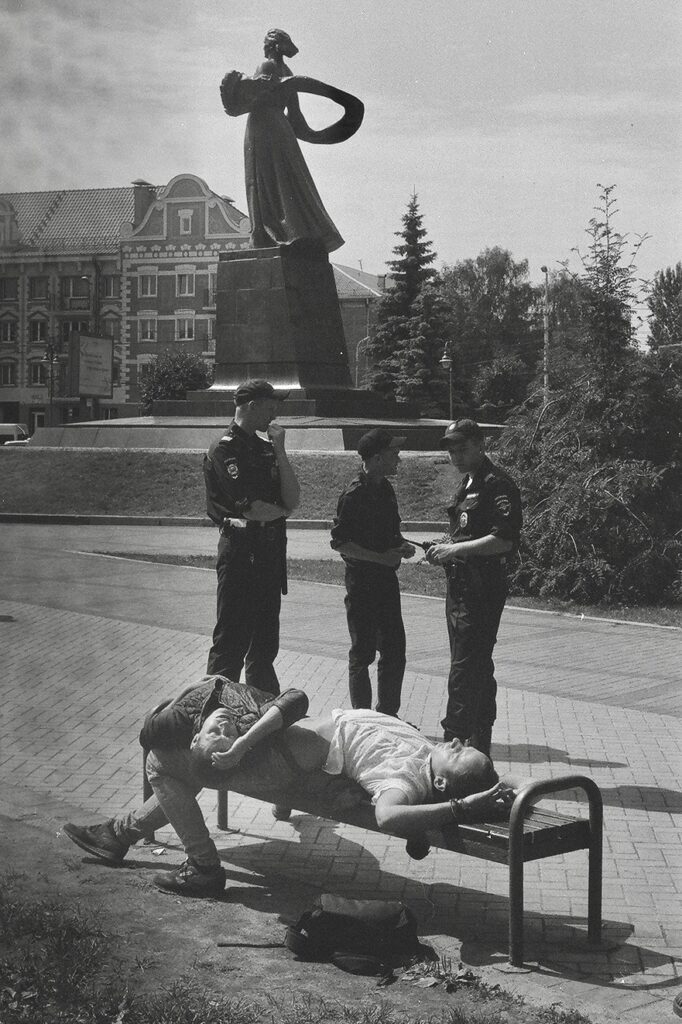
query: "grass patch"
58, 481
423, 580
52, 971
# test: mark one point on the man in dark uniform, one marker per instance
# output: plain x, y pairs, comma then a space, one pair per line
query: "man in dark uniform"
485, 522
251, 488
366, 533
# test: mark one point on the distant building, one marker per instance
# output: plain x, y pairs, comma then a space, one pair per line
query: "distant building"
135, 264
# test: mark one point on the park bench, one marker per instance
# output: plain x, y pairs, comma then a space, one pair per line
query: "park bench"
531, 833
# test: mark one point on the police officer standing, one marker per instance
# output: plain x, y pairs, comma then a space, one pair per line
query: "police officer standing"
366, 533
251, 488
485, 522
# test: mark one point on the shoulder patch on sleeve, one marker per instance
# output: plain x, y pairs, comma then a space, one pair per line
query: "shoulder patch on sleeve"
503, 504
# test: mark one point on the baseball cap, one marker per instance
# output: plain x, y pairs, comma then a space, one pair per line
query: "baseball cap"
460, 431
252, 390
376, 440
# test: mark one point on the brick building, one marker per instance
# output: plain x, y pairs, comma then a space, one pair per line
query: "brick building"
135, 264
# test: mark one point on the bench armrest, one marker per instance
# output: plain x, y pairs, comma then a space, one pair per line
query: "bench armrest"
531, 792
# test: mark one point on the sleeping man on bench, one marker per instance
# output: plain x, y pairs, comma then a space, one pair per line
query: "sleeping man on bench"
226, 735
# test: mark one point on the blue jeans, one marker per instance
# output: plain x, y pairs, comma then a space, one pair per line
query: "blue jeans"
173, 802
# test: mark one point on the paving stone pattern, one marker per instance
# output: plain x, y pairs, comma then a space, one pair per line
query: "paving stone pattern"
91, 678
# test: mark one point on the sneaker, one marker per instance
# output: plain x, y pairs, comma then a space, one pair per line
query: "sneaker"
190, 880
99, 840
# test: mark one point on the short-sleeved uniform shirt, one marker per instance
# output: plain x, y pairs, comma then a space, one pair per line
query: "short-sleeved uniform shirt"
380, 753
239, 469
486, 503
367, 515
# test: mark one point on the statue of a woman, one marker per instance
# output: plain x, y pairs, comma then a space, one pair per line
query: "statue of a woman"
284, 205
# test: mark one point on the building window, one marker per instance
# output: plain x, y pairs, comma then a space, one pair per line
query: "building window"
143, 370
68, 326
8, 375
75, 287
8, 331
37, 374
111, 328
185, 221
116, 373
147, 330
110, 286
38, 331
37, 287
211, 328
185, 329
185, 284
148, 285
9, 289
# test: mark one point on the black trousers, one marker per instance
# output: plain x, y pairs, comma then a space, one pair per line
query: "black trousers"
250, 570
375, 623
473, 608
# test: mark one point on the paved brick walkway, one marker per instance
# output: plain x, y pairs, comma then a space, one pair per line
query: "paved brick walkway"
56, 661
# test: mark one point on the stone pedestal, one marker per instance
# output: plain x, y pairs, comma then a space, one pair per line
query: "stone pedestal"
278, 317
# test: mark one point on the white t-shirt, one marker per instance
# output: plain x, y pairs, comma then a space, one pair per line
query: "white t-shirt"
380, 753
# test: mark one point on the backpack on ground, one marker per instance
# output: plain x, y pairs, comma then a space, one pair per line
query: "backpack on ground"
361, 936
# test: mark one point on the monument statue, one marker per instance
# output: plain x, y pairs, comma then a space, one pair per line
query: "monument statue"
284, 204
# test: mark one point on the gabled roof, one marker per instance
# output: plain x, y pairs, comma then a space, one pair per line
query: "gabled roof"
351, 283
71, 220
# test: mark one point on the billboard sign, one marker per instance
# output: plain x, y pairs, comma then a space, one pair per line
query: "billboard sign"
92, 366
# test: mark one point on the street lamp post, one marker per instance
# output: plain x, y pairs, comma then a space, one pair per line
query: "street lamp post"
446, 363
545, 347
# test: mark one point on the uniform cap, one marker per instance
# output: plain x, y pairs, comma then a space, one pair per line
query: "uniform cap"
252, 390
459, 431
376, 440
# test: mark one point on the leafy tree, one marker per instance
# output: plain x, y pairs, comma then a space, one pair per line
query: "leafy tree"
600, 464
171, 375
665, 304
499, 387
609, 285
413, 325
494, 309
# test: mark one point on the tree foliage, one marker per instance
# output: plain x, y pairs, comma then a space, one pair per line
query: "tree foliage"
600, 464
494, 310
413, 325
665, 306
171, 375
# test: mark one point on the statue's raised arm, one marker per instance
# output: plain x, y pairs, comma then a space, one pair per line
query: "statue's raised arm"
284, 204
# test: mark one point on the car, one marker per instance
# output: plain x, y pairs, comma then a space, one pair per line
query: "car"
13, 434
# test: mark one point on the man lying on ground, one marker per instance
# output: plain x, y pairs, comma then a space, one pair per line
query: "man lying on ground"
218, 731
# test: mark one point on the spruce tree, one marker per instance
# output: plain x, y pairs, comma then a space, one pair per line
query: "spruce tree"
413, 325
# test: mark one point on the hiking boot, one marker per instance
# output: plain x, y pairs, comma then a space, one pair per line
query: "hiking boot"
191, 880
99, 840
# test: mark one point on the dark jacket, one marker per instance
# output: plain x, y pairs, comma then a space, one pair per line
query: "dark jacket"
176, 724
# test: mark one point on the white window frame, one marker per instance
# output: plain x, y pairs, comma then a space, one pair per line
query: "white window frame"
185, 217
152, 291
11, 370
181, 279
8, 332
109, 289
39, 370
148, 337
75, 286
181, 326
37, 331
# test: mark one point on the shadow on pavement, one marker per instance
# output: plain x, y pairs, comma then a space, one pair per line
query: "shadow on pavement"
287, 875
535, 753
644, 798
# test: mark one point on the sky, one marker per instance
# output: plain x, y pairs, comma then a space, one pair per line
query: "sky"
503, 117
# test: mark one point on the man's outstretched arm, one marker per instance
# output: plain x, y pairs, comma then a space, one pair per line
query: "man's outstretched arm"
395, 814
